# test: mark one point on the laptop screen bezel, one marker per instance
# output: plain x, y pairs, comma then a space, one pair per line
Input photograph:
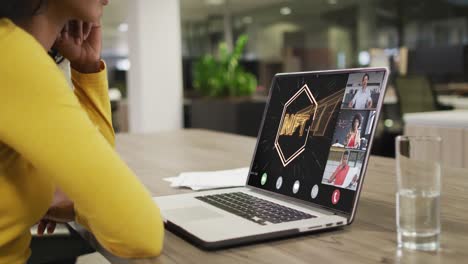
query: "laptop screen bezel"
378, 110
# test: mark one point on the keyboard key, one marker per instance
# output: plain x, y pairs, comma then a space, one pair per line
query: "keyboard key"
254, 209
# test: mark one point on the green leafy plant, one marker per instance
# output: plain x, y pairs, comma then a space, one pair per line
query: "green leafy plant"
223, 76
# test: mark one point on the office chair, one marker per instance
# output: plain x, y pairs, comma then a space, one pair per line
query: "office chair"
415, 94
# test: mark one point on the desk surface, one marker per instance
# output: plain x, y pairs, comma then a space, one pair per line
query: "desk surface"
370, 239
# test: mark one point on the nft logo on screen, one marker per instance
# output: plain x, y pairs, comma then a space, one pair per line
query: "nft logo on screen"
297, 117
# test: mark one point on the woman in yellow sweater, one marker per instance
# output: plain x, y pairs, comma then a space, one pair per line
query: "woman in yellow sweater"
54, 138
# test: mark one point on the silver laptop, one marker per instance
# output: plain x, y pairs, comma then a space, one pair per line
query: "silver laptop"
308, 166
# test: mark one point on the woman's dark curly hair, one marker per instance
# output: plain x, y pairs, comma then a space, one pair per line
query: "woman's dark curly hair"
17, 10
358, 118
20, 9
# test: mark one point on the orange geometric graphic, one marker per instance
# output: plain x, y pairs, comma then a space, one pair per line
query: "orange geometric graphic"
291, 122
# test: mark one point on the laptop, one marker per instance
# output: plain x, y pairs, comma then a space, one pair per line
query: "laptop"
307, 169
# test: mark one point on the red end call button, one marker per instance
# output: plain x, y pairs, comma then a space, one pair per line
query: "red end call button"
335, 196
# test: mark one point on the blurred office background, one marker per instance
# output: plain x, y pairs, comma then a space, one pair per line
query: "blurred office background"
153, 47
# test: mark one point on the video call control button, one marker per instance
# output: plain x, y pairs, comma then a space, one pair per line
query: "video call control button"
296, 186
279, 182
264, 178
314, 191
335, 196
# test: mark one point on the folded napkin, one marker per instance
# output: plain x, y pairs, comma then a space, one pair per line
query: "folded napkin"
204, 180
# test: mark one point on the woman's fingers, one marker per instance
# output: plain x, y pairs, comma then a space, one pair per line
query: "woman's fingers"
87, 27
51, 227
46, 225
62, 212
79, 32
76, 31
41, 227
63, 35
65, 32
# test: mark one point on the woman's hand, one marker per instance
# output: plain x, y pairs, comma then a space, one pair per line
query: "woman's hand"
61, 211
357, 142
44, 225
348, 137
81, 42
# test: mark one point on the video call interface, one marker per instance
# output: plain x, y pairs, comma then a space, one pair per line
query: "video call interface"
316, 135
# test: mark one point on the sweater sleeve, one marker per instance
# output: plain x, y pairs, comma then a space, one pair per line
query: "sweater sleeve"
92, 92
42, 120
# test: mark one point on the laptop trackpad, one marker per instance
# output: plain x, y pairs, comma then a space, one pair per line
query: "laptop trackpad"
188, 214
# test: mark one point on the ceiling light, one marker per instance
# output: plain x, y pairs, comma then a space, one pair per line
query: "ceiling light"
333, 2
123, 27
364, 58
285, 11
215, 2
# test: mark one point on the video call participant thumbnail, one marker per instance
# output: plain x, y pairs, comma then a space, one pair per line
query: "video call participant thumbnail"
353, 129
353, 137
362, 99
344, 175
339, 175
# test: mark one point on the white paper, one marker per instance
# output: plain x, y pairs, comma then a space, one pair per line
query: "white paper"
204, 180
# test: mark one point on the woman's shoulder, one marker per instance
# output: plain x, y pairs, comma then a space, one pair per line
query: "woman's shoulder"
17, 45
6, 25
11, 34
21, 54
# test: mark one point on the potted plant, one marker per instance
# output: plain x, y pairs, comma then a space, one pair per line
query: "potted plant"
226, 90
224, 76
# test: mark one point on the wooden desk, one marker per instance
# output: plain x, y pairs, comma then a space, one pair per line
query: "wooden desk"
370, 239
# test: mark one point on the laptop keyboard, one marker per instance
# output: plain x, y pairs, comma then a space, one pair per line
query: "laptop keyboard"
254, 209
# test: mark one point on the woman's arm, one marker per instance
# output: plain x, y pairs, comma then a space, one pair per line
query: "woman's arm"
357, 141
92, 91
43, 121
81, 42
333, 176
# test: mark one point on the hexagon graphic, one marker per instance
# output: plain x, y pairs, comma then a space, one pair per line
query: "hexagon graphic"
297, 118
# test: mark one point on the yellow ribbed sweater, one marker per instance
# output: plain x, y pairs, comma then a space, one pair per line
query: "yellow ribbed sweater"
51, 136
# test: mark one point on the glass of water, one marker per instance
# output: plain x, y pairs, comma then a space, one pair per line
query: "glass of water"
418, 192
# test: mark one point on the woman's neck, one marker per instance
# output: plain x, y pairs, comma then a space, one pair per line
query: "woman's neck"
44, 27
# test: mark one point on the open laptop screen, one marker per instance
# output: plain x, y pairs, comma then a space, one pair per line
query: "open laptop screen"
316, 134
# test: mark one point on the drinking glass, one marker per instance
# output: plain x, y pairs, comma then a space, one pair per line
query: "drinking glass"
418, 169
